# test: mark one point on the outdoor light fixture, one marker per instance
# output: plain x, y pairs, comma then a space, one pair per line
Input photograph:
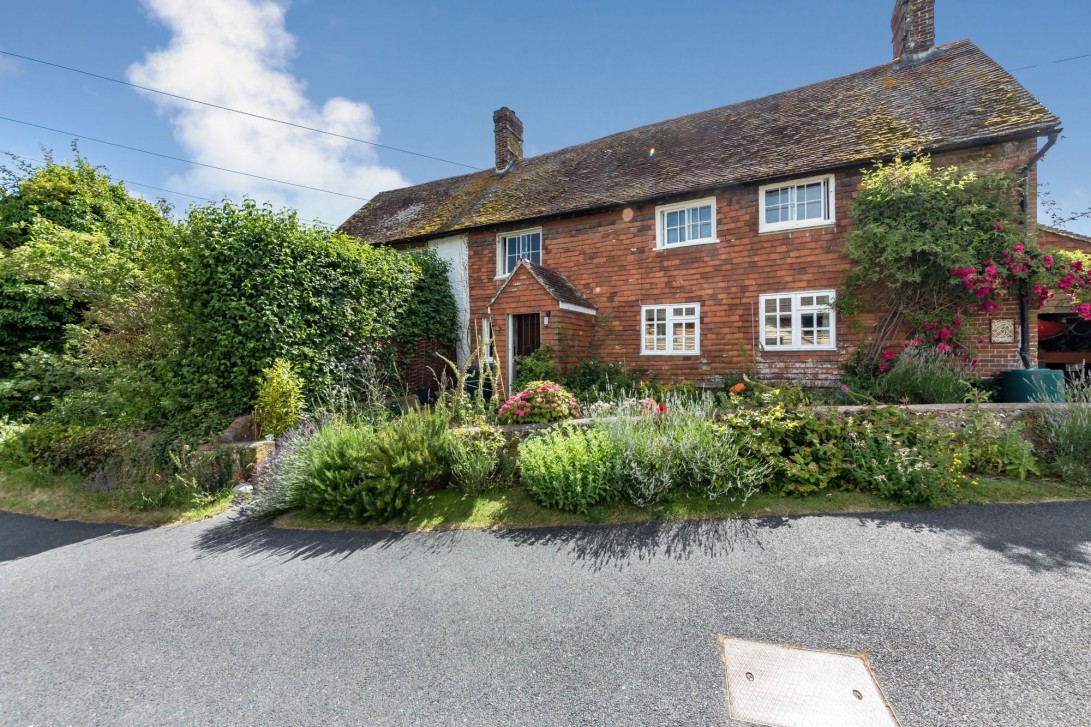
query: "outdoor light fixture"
545, 320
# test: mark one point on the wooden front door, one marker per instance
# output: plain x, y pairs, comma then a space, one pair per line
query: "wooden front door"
526, 338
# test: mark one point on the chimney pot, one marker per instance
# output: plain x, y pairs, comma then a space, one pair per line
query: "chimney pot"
913, 25
509, 137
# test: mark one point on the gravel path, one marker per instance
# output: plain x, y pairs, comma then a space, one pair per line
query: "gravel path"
969, 616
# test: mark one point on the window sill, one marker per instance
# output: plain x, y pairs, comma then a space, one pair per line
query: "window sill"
797, 349
670, 353
661, 248
792, 228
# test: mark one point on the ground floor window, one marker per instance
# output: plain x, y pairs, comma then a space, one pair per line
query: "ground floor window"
673, 329
798, 321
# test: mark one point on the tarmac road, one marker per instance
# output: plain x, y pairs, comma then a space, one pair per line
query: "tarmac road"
968, 615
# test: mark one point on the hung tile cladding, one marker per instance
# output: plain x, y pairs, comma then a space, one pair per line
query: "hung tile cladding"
722, 250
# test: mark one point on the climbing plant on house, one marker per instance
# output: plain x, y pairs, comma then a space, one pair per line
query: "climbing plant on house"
431, 313
932, 245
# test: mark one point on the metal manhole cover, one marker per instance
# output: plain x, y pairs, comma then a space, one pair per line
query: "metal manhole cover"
785, 686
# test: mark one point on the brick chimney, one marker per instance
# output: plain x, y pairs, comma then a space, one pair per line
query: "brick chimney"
914, 27
509, 137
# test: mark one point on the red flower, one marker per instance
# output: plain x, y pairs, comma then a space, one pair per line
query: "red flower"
662, 408
999, 227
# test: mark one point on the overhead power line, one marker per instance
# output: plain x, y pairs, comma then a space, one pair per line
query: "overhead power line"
235, 111
1059, 60
118, 179
180, 159
149, 186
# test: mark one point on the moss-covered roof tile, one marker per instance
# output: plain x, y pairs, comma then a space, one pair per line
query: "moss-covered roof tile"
957, 97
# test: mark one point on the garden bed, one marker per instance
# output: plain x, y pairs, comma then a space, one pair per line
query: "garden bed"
447, 510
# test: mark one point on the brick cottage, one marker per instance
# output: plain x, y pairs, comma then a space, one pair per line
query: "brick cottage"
712, 243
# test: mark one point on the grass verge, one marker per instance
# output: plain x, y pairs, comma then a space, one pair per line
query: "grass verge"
65, 497
446, 510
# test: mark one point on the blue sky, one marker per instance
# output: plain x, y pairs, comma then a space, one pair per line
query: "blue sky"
427, 76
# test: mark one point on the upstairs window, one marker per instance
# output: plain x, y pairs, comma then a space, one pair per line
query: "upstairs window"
671, 329
515, 246
804, 203
798, 321
686, 223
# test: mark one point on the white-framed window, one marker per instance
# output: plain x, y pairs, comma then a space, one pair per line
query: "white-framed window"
800, 203
511, 247
671, 330
798, 321
685, 223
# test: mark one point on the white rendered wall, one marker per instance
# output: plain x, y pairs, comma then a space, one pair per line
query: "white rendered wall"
455, 250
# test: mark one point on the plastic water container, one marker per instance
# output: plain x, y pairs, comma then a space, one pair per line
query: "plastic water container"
1027, 385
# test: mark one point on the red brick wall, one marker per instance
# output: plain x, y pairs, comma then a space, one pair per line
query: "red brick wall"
425, 368
568, 332
1048, 238
615, 264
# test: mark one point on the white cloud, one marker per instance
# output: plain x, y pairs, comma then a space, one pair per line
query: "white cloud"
237, 53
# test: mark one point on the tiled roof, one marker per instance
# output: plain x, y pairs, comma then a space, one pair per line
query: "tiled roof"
1065, 233
556, 284
957, 97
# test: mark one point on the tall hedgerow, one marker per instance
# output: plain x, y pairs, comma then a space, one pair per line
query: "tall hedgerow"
251, 284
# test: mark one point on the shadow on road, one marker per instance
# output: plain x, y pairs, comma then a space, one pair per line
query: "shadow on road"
619, 545
596, 546
1040, 537
247, 538
22, 536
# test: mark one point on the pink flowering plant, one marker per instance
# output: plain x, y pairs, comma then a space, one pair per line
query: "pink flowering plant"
541, 402
933, 246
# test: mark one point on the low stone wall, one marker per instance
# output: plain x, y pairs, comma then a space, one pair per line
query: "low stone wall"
948, 416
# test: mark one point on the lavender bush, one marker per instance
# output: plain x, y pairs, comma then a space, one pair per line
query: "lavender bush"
278, 479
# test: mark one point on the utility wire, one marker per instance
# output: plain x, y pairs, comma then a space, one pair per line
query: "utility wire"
118, 179
180, 159
235, 111
148, 186
1060, 60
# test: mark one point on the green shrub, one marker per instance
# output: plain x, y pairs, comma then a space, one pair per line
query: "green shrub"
132, 466
362, 472
1067, 431
249, 285
279, 405
676, 445
541, 402
538, 366
747, 393
61, 448
989, 449
902, 457
920, 376
592, 380
804, 452
571, 469
477, 458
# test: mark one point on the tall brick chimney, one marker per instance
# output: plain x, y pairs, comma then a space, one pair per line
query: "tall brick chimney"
509, 137
914, 27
